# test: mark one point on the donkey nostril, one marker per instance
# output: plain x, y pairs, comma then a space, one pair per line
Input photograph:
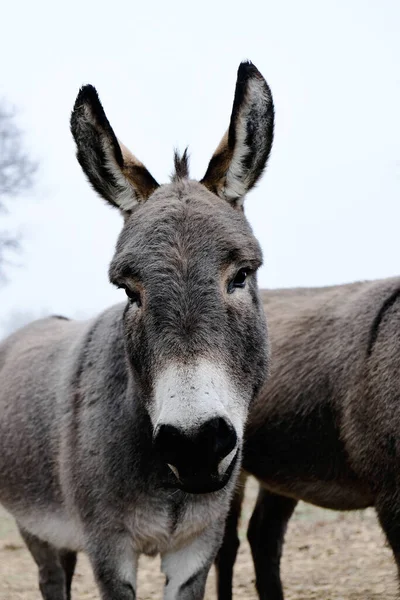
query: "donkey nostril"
224, 437
169, 442
187, 454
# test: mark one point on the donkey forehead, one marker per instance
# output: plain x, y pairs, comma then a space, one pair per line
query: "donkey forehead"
186, 220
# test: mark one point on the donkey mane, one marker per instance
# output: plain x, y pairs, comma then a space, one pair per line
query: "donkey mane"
181, 165
387, 304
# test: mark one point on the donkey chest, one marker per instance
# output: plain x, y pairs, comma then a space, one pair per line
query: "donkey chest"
157, 527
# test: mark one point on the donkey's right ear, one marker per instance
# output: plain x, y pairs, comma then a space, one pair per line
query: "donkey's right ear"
111, 169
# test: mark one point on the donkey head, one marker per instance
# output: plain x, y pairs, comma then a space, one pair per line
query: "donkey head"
194, 327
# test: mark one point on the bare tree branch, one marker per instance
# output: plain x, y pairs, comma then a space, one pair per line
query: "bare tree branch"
17, 172
16, 168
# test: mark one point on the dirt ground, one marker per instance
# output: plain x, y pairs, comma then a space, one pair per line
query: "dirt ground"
327, 556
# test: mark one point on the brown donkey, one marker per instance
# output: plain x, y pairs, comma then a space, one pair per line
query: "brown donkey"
123, 435
326, 427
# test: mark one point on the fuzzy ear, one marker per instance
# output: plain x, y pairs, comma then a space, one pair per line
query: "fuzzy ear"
111, 169
242, 154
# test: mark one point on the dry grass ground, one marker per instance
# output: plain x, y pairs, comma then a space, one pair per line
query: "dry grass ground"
328, 556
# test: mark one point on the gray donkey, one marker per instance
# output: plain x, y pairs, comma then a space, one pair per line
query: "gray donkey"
123, 435
326, 427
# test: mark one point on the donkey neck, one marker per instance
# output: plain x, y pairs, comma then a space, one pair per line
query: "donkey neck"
104, 392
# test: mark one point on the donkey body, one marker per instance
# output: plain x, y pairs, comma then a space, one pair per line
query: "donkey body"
123, 435
325, 427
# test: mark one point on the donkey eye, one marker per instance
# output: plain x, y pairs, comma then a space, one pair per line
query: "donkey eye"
239, 281
134, 297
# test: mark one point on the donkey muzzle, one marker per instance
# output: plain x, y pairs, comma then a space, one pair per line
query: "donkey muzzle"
198, 460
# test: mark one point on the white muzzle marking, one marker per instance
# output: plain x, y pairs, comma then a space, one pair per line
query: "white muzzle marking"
187, 396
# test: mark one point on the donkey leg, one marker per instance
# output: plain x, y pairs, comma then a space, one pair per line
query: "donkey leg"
52, 580
266, 532
68, 563
186, 570
388, 510
226, 556
114, 564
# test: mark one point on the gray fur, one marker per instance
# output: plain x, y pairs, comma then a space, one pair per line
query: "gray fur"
80, 468
325, 428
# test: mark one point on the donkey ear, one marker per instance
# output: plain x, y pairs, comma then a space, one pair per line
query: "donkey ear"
111, 169
242, 154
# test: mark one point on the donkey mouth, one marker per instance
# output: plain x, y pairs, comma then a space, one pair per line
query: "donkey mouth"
201, 482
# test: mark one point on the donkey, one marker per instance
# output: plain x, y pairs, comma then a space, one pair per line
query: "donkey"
123, 435
325, 428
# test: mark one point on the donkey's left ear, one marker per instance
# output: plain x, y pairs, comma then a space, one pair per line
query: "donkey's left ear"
242, 155
111, 169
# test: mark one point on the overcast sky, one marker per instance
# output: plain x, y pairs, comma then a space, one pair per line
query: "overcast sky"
328, 208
